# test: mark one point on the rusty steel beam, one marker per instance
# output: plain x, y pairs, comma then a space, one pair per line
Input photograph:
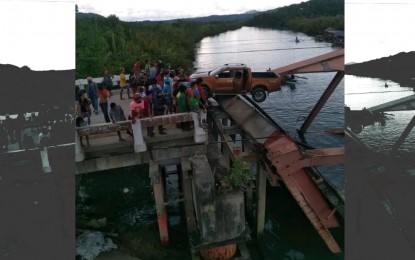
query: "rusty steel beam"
322, 101
401, 104
290, 164
403, 136
318, 157
333, 61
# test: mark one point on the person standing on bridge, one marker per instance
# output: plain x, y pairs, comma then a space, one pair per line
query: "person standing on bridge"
152, 72
136, 107
196, 106
147, 67
136, 68
148, 111
103, 102
160, 107
92, 91
117, 115
201, 91
107, 82
123, 82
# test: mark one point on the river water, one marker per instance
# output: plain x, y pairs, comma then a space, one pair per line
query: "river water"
288, 234
366, 92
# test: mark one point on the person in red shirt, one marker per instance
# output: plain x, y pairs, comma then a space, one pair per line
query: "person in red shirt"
103, 102
201, 92
136, 68
136, 107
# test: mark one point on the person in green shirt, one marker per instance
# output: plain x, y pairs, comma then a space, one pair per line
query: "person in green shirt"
195, 105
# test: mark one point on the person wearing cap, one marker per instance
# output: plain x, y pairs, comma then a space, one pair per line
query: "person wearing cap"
117, 115
92, 91
136, 107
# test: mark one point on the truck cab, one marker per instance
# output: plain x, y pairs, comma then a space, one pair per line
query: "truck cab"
238, 79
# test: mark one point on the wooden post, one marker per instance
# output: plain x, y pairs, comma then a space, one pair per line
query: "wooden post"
156, 181
261, 185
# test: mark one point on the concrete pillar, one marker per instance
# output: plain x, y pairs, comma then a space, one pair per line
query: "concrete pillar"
139, 144
79, 153
199, 134
156, 181
204, 195
45, 161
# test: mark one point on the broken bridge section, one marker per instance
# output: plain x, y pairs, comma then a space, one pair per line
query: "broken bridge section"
288, 163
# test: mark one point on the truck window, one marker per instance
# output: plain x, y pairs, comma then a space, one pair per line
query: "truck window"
225, 74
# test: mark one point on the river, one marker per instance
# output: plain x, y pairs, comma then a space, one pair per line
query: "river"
366, 92
288, 234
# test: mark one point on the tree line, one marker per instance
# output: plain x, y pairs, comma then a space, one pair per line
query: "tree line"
107, 42
311, 17
110, 43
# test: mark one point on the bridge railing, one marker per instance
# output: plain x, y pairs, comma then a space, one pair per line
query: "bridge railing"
139, 144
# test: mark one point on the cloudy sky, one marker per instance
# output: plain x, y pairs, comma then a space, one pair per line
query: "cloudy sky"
129, 10
378, 28
39, 34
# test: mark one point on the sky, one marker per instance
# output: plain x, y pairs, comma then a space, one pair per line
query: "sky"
128, 10
39, 34
378, 28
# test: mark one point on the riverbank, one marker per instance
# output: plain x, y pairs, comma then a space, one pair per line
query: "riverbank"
398, 68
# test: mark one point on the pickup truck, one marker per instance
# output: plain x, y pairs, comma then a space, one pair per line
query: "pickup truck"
237, 79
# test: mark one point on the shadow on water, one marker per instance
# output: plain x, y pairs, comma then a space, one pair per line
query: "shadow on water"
289, 234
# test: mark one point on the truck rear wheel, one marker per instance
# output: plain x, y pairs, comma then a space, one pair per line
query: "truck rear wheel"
259, 95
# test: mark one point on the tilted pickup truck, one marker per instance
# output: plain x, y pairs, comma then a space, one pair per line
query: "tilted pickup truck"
237, 79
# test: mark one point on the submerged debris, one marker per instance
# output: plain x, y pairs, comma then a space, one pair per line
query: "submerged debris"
91, 243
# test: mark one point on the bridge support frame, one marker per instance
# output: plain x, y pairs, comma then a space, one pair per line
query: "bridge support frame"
403, 136
322, 101
156, 181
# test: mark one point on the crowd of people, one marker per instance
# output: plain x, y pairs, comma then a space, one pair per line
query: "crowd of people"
155, 90
36, 130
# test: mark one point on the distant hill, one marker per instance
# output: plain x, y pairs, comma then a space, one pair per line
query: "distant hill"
221, 18
206, 19
88, 15
25, 90
310, 17
399, 68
